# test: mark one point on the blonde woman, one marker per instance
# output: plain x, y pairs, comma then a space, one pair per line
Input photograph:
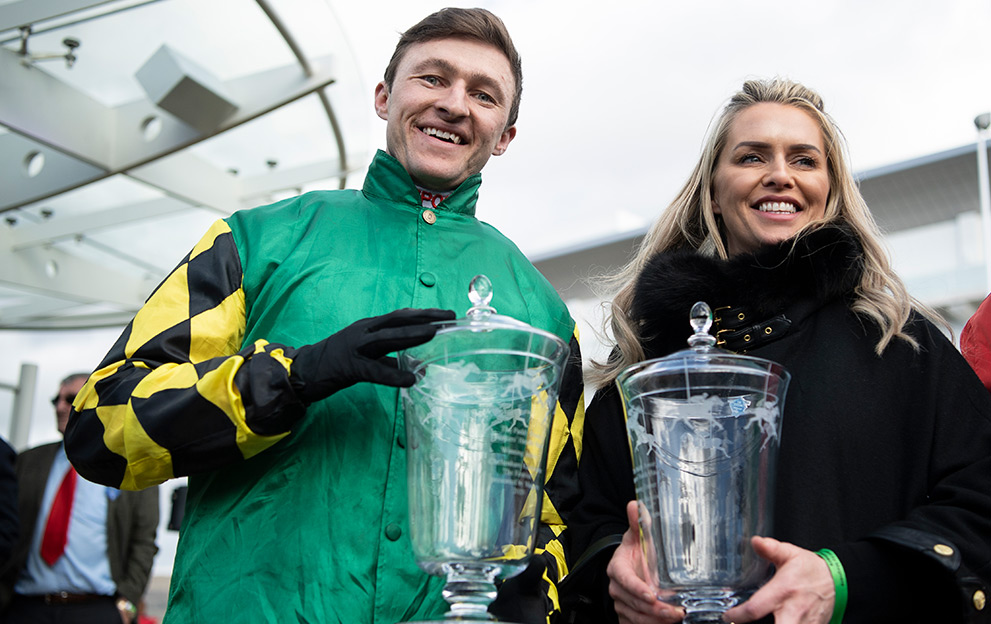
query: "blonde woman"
883, 507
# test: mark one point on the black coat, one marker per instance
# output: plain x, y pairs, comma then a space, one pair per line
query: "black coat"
8, 500
881, 459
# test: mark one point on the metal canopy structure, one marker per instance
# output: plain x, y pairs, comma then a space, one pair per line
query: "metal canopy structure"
923, 191
127, 127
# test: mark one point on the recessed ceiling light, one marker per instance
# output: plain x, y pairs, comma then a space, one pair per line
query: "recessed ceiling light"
151, 127
34, 163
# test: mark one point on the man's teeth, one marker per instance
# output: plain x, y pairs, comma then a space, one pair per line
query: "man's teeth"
779, 207
440, 134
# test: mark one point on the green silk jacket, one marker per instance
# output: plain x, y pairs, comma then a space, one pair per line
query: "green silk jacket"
295, 513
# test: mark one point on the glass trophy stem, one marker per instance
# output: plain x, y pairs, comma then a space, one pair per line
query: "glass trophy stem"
704, 617
704, 606
469, 590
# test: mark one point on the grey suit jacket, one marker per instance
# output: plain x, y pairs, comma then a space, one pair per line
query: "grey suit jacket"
132, 523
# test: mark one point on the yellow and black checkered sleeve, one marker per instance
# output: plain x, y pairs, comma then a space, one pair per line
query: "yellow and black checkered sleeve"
533, 595
561, 491
177, 394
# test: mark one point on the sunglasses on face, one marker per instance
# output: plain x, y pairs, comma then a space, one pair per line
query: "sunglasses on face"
69, 398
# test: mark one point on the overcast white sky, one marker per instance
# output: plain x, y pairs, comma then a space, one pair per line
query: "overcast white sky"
618, 95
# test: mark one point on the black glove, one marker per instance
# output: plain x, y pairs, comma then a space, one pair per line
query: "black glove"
358, 353
523, 598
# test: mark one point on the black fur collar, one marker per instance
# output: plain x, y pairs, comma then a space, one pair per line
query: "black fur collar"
822, 266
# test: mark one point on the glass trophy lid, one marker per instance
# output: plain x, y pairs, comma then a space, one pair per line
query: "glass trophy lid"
702, 355
482, 334
484, 326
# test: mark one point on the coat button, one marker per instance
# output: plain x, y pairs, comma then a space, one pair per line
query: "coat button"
980, 600
428, 279
429, 217
393, 531
943, 549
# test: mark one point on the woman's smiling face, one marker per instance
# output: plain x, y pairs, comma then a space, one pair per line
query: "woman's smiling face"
771, 178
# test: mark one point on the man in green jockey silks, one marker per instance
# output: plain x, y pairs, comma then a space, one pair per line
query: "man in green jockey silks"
260, 366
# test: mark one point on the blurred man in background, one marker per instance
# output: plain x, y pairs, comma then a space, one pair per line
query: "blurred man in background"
85, 551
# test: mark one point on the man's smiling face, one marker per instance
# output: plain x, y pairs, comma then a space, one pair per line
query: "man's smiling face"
447, 110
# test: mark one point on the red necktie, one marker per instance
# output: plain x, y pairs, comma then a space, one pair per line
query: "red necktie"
57, 527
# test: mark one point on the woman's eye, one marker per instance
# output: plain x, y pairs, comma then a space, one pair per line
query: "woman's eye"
749, 158
807, 161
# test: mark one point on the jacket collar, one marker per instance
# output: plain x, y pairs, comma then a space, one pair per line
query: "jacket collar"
756, 298
387, 179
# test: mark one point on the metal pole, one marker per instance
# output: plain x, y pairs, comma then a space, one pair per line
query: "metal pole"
20, 418
982, 122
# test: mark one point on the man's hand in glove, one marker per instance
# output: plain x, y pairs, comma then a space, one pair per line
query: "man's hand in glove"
358, 353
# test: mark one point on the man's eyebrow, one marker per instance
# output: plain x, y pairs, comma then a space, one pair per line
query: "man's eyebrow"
474, 78
762, 145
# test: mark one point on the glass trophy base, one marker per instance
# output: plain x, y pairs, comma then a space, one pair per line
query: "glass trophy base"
703, 606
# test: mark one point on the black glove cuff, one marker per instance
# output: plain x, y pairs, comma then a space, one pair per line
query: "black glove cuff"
271, 403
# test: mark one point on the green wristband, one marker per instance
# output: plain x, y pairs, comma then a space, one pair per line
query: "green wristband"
839, 580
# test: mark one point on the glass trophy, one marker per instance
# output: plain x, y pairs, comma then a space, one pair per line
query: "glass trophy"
704, 425
478, 423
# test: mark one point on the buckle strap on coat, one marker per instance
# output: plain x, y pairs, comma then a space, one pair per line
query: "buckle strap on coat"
736, 330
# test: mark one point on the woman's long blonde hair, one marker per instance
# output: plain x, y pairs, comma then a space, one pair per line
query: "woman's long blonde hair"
690, 223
